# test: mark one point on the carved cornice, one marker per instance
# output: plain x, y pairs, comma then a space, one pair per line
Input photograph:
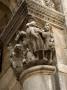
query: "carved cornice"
45, 13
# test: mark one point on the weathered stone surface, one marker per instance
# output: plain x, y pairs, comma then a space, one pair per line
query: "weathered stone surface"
63, 80
9, 82
61, 54
45, 13
38, 78
60, 44
38, 82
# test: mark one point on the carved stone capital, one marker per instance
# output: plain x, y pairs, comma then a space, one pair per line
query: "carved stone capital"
32, 47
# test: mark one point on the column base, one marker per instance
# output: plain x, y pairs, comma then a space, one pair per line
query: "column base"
37, 77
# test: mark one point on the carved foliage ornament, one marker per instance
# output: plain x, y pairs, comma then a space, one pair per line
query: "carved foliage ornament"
35, 46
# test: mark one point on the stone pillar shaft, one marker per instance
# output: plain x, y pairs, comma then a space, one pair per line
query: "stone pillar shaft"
64, 5
38, 78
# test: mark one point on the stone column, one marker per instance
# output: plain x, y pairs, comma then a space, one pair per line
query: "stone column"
61, 57
63, 76
38, 78
64, 5
34, 67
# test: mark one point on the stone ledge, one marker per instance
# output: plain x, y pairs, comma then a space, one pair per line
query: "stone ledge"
40, 69
45, 13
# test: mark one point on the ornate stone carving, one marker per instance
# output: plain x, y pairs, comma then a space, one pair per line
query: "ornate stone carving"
46, 14
49, 40
29, 7
32, 47
49, 3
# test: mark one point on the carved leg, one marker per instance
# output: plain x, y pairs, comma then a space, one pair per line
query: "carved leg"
44, 57
50, 61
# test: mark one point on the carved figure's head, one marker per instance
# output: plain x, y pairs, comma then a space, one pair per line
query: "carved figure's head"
32, 23
47, 27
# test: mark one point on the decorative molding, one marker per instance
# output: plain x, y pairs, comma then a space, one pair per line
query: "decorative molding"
45, 13
41, 69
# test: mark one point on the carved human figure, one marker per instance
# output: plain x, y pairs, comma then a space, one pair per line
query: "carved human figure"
30, 56
33, 34
27, 54
36, 43
49, 40
30, 46
17, 52
39, 39
14, 58
19, 34
21, 39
